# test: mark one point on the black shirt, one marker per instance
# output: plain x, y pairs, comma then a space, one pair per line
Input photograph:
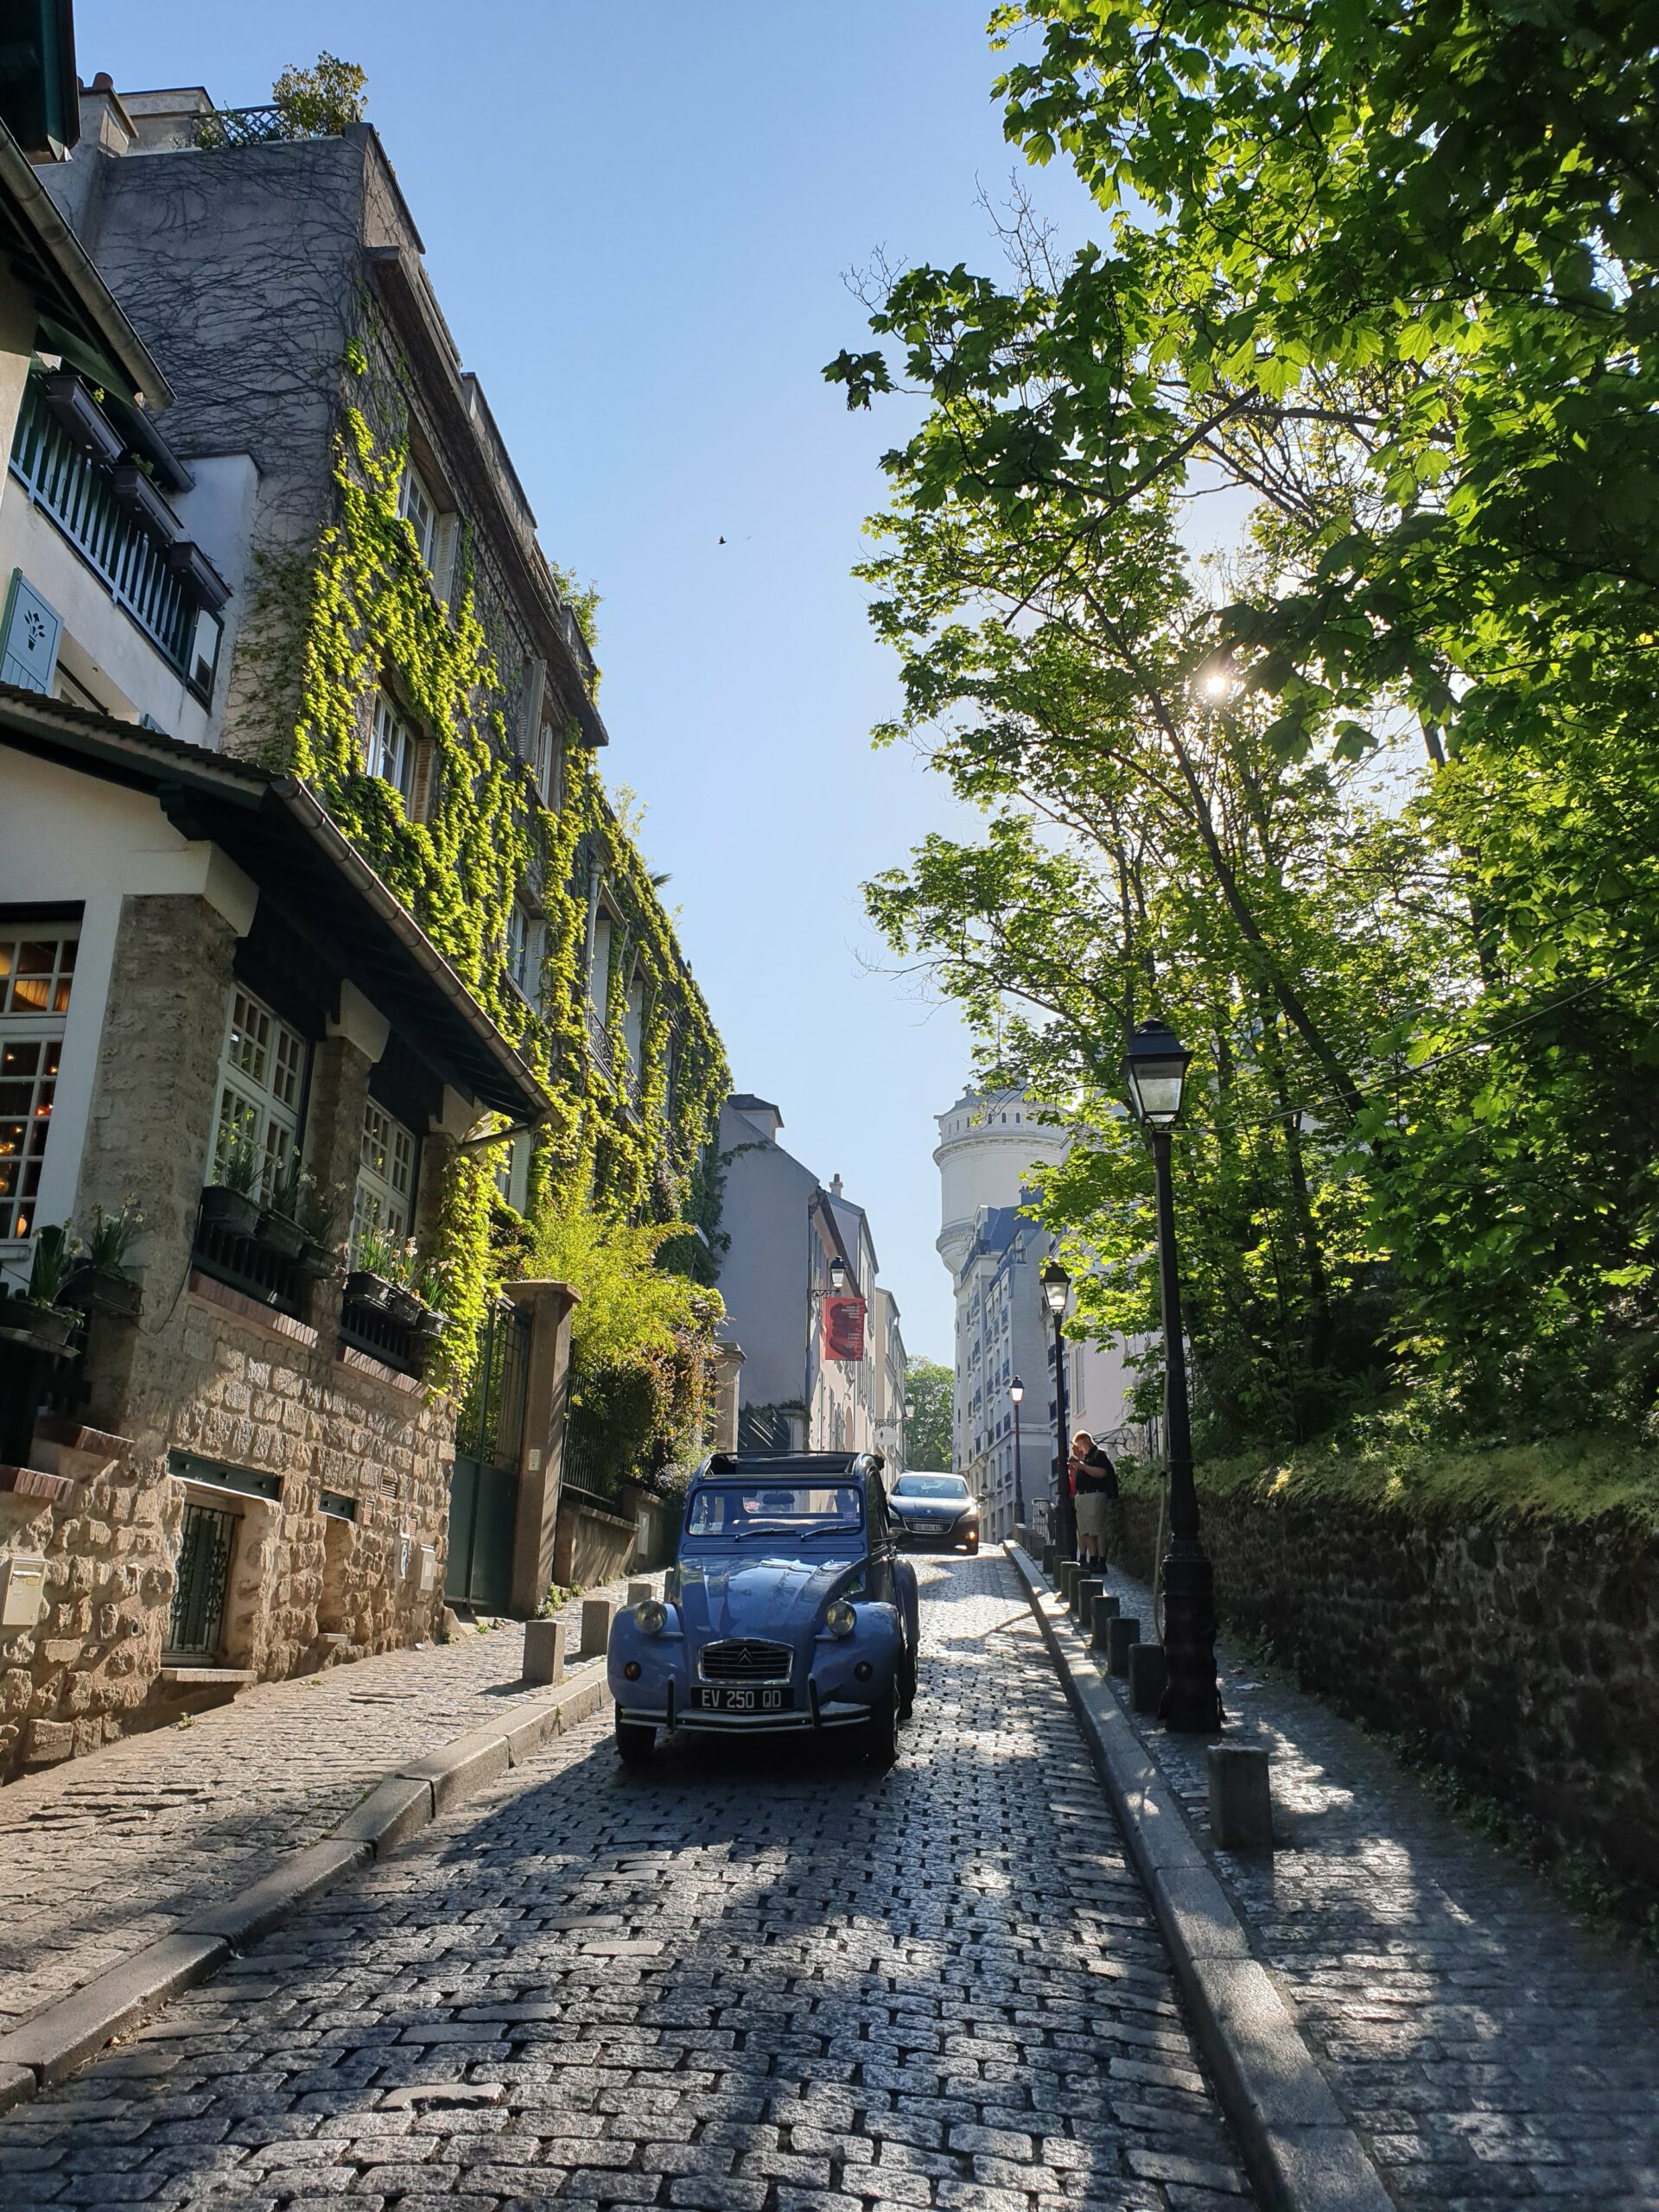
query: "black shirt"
1096, 1474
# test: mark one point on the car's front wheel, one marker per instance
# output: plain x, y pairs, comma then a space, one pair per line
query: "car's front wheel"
882, 1741
635, 1740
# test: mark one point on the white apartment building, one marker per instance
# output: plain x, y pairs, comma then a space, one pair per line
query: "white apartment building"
989, 1144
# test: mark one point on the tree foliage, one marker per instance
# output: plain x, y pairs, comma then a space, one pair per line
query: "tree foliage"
1372, 813
927, 1431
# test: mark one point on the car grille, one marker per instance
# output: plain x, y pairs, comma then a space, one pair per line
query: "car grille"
741, 1659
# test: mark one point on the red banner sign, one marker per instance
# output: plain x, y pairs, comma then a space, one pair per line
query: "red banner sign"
843, 1328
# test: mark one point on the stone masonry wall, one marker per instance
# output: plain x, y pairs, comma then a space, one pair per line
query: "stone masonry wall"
1524, 1653
207, 1371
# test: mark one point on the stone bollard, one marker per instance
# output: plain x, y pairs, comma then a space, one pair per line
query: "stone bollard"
1106, 1611
1148, 1672
1120, 1634
1068, 1580
1240, 1798
1089, 1588
597, 1614
544, 1651
638, 1591
1050, 1558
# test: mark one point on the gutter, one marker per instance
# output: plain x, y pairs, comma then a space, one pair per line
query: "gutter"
74, 265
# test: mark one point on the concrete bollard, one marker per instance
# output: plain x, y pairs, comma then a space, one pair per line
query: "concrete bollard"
1089, 1588
1241, 1798
544, 1651
1120, 1634
1050, 1558
638, 1591
1148, 1672
597, 1614
1067, 1580
1106, 1611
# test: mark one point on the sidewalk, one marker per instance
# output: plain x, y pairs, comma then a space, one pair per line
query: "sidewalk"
108, 1854
1487, 2047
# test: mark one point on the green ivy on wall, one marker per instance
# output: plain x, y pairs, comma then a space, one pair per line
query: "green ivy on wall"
367, 618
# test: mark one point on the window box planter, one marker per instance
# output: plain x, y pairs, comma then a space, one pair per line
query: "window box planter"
186, 558
280, 1235
237, 1213
317, 1263
141, 499
430, 1324
363, 1288
49, 1327
404, 1306
79, 415
89, 1292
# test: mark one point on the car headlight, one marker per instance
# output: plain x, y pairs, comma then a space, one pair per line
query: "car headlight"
651, 1617
839, 1617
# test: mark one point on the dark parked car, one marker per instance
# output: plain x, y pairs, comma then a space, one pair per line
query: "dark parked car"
935, 1509
787, 1610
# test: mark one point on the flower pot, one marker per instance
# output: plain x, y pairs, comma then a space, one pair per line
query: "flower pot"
90, 1290
139, 496
281, 1236
405, 1308
431, 1323
317, 1263
363, 1288
79, 415
16, 1312
234, 1211
52, 1326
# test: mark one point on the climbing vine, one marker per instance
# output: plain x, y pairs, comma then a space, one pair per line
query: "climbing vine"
369, 618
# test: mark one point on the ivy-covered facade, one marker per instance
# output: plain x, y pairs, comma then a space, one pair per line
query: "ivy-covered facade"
403, 646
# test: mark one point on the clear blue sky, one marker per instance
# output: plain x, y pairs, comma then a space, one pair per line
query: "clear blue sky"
636, 219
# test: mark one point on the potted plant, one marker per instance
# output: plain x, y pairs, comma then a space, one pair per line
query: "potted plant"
100, 1282
405, 1303
37, 1311
371, 1280
433, 1320
77, 413
279, 1228
318, 1216
231, 1201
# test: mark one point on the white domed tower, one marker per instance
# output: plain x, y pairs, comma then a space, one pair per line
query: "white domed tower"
987, 1144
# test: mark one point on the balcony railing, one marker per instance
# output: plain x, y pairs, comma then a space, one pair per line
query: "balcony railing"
251, 126
243, 1263
76, 490
600, 1045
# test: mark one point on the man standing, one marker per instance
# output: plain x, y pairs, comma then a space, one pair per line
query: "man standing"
1094, 1489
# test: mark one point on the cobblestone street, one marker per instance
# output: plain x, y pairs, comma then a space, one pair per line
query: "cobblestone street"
742, 1980
105, 1854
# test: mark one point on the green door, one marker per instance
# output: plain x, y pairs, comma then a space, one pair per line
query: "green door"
484, 1484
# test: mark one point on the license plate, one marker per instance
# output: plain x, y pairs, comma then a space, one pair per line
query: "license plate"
765, 1697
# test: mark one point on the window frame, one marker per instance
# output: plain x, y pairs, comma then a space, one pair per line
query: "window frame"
270, 1109
45, 1025
415, 485
379, 744
376, 1196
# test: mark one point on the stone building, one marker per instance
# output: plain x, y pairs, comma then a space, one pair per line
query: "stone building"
299, 695
799, 1264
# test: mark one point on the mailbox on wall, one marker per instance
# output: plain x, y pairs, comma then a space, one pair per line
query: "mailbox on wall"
22, 1588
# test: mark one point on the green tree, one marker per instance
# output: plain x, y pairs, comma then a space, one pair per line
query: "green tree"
1389, 272
927, 1431
319, 102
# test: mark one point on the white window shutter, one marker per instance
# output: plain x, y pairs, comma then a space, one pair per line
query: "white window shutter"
28, 644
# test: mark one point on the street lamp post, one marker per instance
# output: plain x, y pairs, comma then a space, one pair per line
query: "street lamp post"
1156, 1069
1016, 1392
1056, 1288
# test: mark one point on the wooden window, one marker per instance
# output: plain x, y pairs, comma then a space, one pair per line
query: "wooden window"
420, 510
37, 972
393, 751
523, 951
261, 1085
384, 1197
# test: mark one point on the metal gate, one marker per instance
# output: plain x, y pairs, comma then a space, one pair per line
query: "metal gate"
484, 1486
195, 1623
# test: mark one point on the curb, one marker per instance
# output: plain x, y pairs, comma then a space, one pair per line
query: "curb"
49, 2046
1301, 2153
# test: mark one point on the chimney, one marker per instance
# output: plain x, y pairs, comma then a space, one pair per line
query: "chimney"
834, 1186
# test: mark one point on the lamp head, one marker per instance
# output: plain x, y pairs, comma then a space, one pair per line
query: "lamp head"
838, 1275
1016, 1389
1156, 1067
1056, 1288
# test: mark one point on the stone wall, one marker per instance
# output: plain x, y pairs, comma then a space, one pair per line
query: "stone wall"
592, 1546
1524, 1652
207, 1371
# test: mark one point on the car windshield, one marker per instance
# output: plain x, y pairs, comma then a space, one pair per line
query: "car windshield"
733, 1511
930, 1486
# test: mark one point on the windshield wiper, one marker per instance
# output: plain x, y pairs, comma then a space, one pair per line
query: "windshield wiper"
740, 1536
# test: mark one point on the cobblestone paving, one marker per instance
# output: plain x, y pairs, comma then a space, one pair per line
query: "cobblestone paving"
1490, 2049
106, 1854
738, 1979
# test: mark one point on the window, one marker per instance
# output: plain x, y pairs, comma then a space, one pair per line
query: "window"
524, 951
37, 969
261, 1086
204, 651
385, 1177
393, 751
420, 510
544, 760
